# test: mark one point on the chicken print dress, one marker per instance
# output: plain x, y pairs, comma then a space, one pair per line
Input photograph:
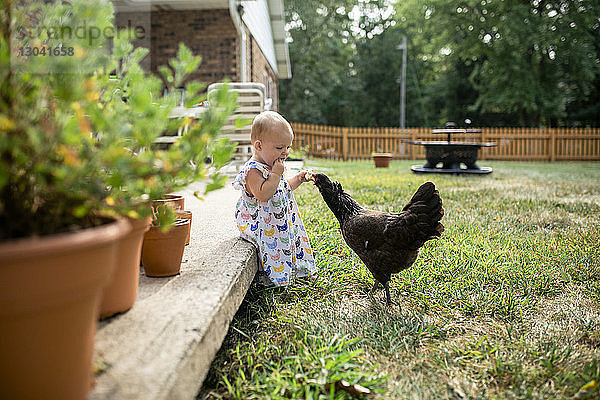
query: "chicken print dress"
275, 228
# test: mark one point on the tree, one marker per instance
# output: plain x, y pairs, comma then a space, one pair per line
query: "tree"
529, 58
494, 62
320, 53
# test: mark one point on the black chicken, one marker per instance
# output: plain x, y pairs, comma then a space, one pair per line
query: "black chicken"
386, 242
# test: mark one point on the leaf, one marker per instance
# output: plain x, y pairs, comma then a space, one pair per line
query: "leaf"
586, 390
133, 214
242, 122
166, 73
590, 385
217, 183
222, 152
164, 216
139, 53
80, 211
6, 124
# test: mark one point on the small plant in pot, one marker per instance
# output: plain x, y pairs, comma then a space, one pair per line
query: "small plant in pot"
162, 250
75, 156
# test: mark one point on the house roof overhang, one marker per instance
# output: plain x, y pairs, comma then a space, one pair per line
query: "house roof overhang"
276, 17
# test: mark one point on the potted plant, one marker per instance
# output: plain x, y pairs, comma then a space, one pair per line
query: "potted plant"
75, 156
185, 214
152, 173
121, 291
162, 251
382, 160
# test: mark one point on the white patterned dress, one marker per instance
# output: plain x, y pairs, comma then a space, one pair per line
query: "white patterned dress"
275, 228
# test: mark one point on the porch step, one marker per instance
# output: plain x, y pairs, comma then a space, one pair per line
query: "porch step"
163, 347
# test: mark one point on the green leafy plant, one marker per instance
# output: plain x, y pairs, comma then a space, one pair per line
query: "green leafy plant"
301, 366
77, 131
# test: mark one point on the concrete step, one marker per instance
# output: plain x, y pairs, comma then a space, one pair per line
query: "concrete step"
163, 347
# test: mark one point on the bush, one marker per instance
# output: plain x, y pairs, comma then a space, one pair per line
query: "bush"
77, 131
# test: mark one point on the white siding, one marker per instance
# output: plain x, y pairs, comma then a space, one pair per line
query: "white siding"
256, 17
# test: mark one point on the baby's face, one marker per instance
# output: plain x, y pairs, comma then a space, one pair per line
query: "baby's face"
276, 145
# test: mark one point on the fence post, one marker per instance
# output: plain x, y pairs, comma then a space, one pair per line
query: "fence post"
482, 140
413, 137
552, 144
345, 143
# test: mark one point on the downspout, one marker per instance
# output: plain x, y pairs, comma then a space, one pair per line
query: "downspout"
237, 21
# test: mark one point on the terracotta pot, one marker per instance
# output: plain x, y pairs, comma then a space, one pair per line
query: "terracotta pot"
50, 291
176, 201
121, 292
185, 214
382, 160
162, 251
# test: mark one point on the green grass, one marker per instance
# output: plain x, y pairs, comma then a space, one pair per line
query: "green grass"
506, 305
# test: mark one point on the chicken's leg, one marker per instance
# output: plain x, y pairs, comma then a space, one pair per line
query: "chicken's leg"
387, 293
374, 287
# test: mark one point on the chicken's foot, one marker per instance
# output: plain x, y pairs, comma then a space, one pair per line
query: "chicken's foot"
386, 286
374, 287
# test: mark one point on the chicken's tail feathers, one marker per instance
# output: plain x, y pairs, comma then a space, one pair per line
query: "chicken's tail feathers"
426, 198
423, 194
439, 229
426, 205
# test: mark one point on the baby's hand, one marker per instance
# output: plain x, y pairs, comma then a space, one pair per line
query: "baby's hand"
278, 167
305, 176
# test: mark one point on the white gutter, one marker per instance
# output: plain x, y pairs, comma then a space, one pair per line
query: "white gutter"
277, 18
237, 21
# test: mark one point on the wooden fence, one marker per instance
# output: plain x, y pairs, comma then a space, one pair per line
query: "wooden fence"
518, 144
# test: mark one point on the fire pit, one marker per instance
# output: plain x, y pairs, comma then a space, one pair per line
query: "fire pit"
448, 157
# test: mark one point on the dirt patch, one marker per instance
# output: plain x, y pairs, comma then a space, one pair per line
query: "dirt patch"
571, 315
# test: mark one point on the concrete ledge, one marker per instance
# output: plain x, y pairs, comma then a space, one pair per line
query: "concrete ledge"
163, 347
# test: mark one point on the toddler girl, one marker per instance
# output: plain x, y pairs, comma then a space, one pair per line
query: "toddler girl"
267, 213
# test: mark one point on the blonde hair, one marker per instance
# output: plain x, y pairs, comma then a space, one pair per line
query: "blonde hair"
268, 122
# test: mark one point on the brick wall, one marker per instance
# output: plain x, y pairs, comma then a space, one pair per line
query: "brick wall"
208, 33
263, 73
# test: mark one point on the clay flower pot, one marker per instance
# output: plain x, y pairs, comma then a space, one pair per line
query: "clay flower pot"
50, 292
121, 292
382, 160
162, 251
176, 201
185, 214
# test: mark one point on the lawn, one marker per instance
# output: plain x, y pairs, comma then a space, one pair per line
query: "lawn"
506, 305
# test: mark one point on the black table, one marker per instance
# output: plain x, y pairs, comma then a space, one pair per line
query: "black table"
448, 157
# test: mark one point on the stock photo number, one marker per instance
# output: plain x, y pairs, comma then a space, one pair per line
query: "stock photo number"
46, 51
